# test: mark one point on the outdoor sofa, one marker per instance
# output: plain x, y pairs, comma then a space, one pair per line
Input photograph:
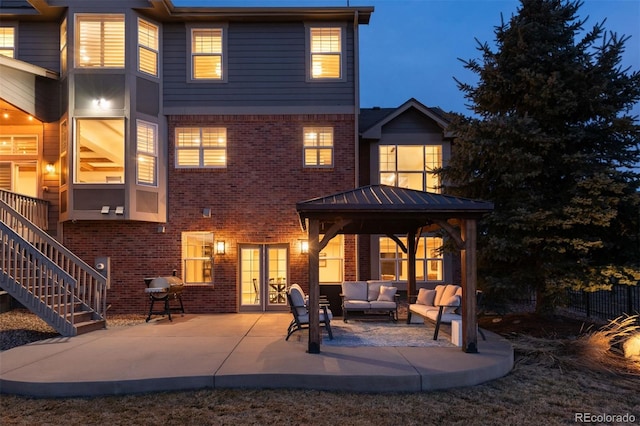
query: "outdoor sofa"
369, 297
440, 305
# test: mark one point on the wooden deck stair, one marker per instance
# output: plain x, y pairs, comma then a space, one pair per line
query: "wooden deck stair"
46, 277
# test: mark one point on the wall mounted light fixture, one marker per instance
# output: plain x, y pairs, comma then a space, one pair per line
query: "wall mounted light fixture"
304, 246
50, 168
206, 212
120, 210
105, 210
220, 247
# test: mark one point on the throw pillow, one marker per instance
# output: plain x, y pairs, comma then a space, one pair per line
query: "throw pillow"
387, 293
426, 297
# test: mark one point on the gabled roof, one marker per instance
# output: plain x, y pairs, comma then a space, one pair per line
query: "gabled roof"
382, 209
373, 119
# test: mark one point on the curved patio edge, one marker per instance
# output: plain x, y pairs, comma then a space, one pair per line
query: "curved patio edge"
236, 351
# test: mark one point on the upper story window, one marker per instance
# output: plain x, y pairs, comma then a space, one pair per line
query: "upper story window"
325, 53
318, 147
147, 153
410, 166
8, 41
99, 41
207, 54
148, 47
18, 145
63, 47
99, 150
201, 147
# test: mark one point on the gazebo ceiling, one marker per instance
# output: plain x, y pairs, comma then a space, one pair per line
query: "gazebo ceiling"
382, 209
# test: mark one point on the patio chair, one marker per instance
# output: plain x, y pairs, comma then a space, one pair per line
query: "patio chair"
300, 312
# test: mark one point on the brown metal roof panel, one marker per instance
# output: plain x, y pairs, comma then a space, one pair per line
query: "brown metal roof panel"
383, 197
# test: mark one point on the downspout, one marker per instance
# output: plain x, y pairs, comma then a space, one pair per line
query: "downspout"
356, 136
356, 78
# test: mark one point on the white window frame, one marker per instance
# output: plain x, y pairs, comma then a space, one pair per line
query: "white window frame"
148, 46
425, 259
147, 150
426, 172
205, 260
200, 148
326, 259
77, 146
102, 18
310, 54
307, 137
9, 47
193, 55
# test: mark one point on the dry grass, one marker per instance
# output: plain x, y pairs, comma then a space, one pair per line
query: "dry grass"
551, 381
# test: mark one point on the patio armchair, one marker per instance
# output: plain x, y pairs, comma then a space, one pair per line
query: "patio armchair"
300, 311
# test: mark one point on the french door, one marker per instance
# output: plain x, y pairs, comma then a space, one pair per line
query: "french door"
264, 277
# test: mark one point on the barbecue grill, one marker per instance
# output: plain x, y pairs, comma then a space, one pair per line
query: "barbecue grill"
164, 290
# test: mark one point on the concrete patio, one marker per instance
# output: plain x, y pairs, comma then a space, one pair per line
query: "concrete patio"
235, 351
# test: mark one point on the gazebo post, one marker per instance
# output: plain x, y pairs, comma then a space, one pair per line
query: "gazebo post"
469, 286
314, 286
411, 266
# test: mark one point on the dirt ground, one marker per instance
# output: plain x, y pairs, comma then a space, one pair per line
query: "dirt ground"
531, 324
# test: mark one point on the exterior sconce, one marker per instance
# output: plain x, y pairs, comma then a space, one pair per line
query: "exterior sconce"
50, 168
304, 246
220, 247
101, 103
206, 212
105, 210
161, 229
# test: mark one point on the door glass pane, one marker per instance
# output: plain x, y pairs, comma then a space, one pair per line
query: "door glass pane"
277, 271
250, 273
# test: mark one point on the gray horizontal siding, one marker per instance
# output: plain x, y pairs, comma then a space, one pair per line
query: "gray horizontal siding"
411, 121
39, 44
266, 67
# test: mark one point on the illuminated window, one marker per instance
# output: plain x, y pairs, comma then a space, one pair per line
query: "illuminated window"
206, 54
8, 41
147, 47
332, 261
394, 262
99, 150
18, 145
318, 146
410, 166
325, 47
63, 47
99, 41
20, 177
201, 147
147, 156
64, 146
197, 257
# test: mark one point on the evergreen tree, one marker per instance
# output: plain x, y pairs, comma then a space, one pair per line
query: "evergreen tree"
553, 145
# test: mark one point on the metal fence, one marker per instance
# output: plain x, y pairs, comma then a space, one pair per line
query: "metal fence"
606, 304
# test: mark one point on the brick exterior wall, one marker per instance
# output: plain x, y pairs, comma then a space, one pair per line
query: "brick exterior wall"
252, 201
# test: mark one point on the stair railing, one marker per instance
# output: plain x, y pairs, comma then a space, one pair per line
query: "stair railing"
49, 264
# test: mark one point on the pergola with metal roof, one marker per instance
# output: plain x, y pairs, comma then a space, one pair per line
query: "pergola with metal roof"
392, 211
